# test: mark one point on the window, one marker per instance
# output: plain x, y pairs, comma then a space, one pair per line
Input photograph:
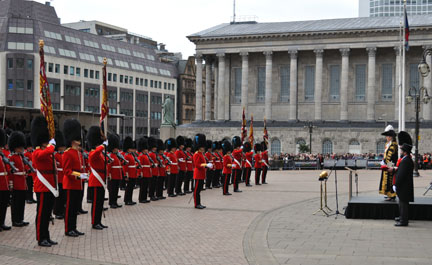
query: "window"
53, 35
109, 61
121, 78
97, 75
237, 85
387, 82
10, 63
109, 76
151, 70
114, 77
141, 81
91, 73
261, 84
19, 103
414, 80
28, 46
49, 49
334, 82
78, 71
121, 63
19, 84
160, 84
20, 63
360, 82
90, 43
380, 147
72, 40
20, 30
88, 57
57, 68
29, 84
309, 83
285, 84
65, 69
354, 147
92, 92
29, 64
151, 83
112, 95
72, 70
327, 147
137, 81
146, 82
10, 84
50, 67
275, 146
108, 48
112, 111
85, 72
67, 53
29, 104
72, 91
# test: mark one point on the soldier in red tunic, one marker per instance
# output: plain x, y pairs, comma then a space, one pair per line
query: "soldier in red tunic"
16, 144
73, 174
181, 158
236, 165
209, 159
171, 145
265, 162
188, 184
162, 170
152, 142
60, 201
227, 165
4, 184
247, 170
115, 169
147, 164
30, 174
218, 156
130, 169
200, 168
258, 163
45, 183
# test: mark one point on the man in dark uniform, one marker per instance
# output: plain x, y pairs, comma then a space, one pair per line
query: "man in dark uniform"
188, 186
115, 169
60, 201
130, 170
236, 163
181, 158
4, 184
28, 153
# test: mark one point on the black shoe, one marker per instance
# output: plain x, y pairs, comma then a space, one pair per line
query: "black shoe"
172, 195
237, 191
25, 223
105, 209
105, 199
119, 205
257, 184
17, 224
265, 183
29, 201
44, 243
154, 199
104, 226
401, 224
161, 198
181, 194
97, 227
200, 207
59, 217
130, 203
227, 193
397, 219
82, 211
118, 196
144, 201
204, 206
89, 201
79, 233
34, 201
71, 234
188, 191
113, 206
53, 243
210, 188
248, 185
5, 227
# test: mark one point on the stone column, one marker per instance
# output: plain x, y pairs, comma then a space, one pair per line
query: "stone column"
134, 114
344, 84
293, 86
208, 89
398, 82
318, 83
198, 89
215, 89
427, 83
227, 88
221, 88
371, 84
62, 95
244, 82
268, 85
3, 84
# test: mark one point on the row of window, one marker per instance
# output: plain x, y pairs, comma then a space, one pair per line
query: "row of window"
387, 82
19, 84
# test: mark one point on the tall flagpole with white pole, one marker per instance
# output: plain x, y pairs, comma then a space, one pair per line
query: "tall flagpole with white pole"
403, 71
399, 80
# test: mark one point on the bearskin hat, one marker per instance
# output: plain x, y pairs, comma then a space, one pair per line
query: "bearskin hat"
72, 131
226, 147
209, 144
39, 132
188, 143
142, 144
180, 140
128, 143
215, 146
2, 137
404, 138
263, 146
247, 147
152, 142
59, 138
94, 137
113, 142
28, 140
258, 148
171, 143
199, 141
236, 141
160, 145
16, 139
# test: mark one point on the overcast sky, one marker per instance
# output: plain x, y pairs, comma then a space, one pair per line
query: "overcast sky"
170, 21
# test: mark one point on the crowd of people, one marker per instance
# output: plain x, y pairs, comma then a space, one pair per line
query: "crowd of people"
59, 168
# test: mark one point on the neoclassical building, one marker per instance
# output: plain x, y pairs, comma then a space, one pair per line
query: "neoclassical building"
341, 74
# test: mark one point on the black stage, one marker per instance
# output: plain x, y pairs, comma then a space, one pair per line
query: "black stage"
378, 208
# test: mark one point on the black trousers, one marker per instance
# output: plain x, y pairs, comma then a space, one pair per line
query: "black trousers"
237, 175
226, 179
179, 181
159, 186
97, 204
188, 183
264, 174
81, 196
123, 183
244, 173
4, 201
404, 212
216, 177
171, 183
45, 204
114, 185
18, 205
130, 185
144, 186
73, 204
199, 183
29, 193
257, 175
60, 201
152, 188
209, 178
247, 173
89, 194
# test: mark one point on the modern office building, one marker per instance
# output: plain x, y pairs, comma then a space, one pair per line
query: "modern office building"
393, 8
138, 80
342, 75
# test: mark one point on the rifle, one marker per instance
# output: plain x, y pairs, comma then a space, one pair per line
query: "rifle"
159, 161
167, 159
109, 159
151, 160
121, 158
8, 162
27, 163
136, 160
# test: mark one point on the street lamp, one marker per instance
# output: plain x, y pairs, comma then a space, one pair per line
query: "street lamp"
417, 95
310, 127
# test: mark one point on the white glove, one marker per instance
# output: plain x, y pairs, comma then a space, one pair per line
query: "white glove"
210, 165
382, 163
105, 143
84, 176
52, 142
394, 188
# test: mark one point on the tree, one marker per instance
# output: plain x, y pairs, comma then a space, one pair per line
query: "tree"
304, 148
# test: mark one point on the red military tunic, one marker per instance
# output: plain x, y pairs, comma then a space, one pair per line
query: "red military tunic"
200, 170
218, 161
43, 162
210, 158
97, 163
248, 159
174, 168
146, 166
258, 162
162, 169
181, 158
155, 170
189, 162
18, 178
131, 167
59, 163
264, 156
72, 167
237, 155
4, 180
115, 169
227, 161
27, 168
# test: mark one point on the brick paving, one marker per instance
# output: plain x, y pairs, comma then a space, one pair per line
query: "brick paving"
268, 224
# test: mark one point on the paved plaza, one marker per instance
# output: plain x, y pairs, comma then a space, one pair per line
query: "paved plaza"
267, 224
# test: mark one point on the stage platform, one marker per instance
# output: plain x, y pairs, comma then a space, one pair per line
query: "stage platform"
378, 208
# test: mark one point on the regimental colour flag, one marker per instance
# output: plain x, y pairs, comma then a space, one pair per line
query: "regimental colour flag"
104, 105
406, 28
44, 93
266, 137
243, 128
251, 134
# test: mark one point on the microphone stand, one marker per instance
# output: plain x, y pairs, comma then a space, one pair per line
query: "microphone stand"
336, 190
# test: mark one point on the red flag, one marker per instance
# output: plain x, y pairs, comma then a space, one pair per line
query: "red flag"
104, 105
251, 136
44, 93
266, 137
243, 128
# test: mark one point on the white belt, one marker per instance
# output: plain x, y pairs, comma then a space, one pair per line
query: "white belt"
59, 169
146, 166
116, 167
19, 173
131, 166
189, 162
174, 164
3, 173
217, 161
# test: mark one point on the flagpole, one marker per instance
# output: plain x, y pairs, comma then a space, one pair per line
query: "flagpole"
400, 77
403, 71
